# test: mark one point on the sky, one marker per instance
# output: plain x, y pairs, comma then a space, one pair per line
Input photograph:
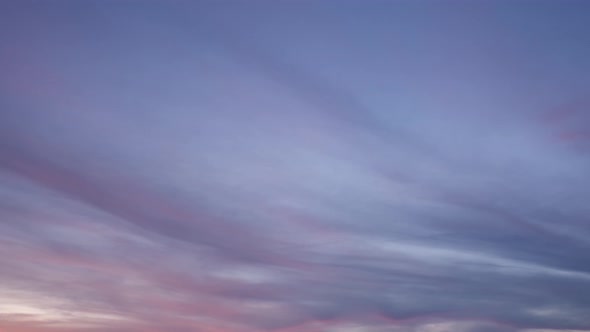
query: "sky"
294, 166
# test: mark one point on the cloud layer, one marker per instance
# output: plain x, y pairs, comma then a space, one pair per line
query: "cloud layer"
294, 167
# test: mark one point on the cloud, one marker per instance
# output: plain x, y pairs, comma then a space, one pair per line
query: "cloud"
282, 167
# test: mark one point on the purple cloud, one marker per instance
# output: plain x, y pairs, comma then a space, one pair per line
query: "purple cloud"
288, 167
